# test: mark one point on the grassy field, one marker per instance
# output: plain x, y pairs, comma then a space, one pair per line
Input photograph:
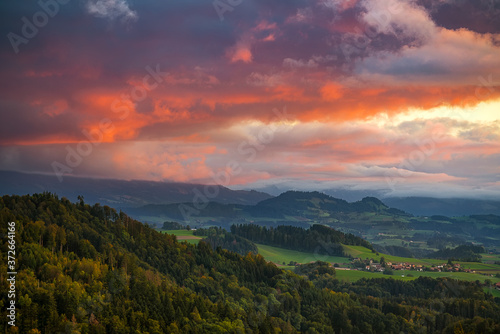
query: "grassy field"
482, 267
490, 257
183, 235
280, 255
364, 253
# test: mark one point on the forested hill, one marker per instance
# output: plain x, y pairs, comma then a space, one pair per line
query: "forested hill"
89, 269
308, 205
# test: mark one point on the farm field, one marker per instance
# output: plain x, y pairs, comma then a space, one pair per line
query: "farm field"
491, 257
280, 255
482, 267
363, 253
183, 235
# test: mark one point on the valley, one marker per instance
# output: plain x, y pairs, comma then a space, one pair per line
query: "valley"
390, 230
346, 271
88, 268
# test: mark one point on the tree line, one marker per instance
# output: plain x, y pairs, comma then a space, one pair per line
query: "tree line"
220, 238
465, 253
319, 239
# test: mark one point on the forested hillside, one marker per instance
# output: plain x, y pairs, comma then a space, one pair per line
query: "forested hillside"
467, 253
90, 269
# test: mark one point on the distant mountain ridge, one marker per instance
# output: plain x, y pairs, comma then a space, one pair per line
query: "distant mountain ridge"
427, 206
307, 205
126, 194
119, 193
312, 204
416, 205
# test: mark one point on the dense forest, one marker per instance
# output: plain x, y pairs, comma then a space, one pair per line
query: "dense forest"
466, 253
90, 269
318, 239
219, 237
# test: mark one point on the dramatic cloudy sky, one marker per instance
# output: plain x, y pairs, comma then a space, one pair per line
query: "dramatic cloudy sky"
401, 96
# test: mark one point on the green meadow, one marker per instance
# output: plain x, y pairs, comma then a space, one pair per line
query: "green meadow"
364, 253
280, 255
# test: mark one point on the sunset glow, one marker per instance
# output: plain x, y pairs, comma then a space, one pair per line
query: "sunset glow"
394, 96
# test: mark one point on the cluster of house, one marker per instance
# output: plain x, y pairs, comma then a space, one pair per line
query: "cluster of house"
394, 266
417, 267
447, 267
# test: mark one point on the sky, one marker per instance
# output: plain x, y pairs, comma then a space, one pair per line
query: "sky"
396, 96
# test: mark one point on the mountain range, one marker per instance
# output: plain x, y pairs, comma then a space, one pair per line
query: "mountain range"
120, 193
136, 193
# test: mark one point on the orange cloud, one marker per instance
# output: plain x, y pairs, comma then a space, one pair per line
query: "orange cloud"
331, 91
240, 52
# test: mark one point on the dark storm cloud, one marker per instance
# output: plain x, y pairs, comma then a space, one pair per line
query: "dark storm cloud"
482, 16
32, 123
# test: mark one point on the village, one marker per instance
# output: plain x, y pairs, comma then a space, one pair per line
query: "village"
455, 267
389, 267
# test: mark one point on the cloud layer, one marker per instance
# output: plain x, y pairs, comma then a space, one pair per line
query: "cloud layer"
169, 91
111, 9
